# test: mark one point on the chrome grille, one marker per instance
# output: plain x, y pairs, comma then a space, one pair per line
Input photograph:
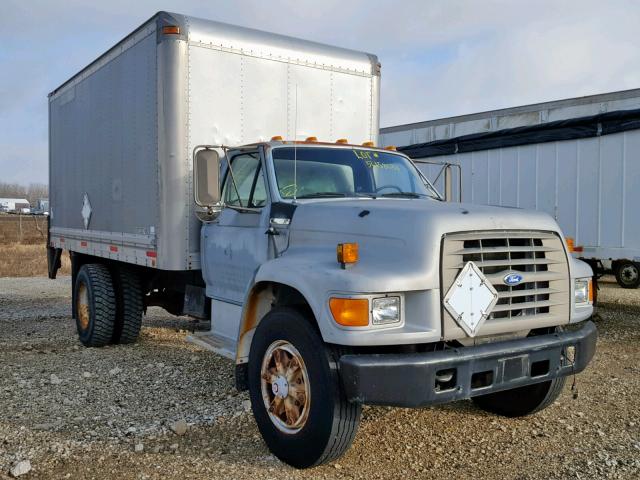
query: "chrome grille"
541, 299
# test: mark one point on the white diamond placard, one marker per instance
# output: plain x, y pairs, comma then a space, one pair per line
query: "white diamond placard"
86, 211
470, 299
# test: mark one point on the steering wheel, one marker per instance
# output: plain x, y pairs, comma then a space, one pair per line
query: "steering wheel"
388, 186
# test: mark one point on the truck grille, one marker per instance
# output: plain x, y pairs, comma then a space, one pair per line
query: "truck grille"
541, 299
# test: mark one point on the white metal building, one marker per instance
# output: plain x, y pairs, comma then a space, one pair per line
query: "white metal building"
577, 159
14, 204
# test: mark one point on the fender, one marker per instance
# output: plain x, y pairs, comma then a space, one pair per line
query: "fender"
299, 272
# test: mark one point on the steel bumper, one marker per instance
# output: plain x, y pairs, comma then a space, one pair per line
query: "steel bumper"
415, 379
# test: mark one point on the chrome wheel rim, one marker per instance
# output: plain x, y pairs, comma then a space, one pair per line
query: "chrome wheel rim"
285, 387
82, 306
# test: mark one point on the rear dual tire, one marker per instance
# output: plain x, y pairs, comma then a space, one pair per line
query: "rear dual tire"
108, 307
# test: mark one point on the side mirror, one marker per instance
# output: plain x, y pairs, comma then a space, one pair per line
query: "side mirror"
206, 173
448, 184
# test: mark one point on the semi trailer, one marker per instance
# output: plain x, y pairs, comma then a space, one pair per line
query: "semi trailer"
574, 159
233, 175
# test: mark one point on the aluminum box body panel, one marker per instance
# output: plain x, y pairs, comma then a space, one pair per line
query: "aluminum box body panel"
102, 143
123, 129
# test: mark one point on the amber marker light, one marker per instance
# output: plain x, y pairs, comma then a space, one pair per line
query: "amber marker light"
276, 138
342, 140
390, 147
311, 139
368, 144
347, 253
171, 30
350, 312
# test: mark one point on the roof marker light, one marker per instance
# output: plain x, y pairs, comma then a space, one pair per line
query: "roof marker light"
368, 144
171, 30
311, 139
342, 140
390, 147
276, 138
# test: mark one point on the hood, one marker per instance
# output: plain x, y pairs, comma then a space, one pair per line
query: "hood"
400, 218
402, 236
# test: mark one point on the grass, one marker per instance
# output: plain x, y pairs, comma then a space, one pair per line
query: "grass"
22, 247
17, 260
24, 229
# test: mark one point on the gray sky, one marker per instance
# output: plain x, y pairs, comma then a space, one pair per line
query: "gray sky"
439, 58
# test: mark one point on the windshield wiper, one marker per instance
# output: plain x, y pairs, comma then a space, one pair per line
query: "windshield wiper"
322, 195
403, 194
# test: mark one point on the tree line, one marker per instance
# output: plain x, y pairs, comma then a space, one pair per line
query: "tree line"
31, 192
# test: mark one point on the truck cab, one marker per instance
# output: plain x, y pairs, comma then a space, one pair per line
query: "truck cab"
345, 260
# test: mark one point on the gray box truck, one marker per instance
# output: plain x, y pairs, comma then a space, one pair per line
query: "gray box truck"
333, 273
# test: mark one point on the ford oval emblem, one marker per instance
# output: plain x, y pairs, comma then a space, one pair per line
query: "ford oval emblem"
512, 279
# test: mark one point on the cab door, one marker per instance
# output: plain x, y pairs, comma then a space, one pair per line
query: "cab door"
235, 245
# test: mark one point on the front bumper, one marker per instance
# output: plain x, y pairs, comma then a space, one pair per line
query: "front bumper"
415, 379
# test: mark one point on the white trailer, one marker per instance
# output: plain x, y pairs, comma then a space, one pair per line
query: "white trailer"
576, 159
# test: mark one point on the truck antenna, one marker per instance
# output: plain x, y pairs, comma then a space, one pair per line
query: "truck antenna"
295, 149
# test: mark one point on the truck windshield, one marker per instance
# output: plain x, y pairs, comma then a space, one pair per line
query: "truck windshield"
341, 172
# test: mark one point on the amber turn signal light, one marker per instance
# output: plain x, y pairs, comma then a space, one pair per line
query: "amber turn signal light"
350, 312
171, 30
570, 244
347, 253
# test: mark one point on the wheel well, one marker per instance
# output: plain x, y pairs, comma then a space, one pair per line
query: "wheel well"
161, 288
264, 297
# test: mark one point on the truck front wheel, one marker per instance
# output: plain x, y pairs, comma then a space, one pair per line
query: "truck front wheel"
95, 305
522, 401
296, 394
627, 274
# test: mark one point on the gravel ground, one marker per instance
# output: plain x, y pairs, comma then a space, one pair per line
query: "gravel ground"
108, 413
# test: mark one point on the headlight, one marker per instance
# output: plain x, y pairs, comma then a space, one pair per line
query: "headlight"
583, 291
385, 310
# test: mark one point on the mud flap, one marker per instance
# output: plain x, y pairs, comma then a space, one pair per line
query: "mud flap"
54, 260
54, 255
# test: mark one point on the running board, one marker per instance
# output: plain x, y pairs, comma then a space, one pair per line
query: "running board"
218, 344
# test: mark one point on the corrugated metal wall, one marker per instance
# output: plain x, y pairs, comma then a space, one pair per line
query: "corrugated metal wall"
591, 186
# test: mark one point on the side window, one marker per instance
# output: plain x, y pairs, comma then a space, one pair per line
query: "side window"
249, 180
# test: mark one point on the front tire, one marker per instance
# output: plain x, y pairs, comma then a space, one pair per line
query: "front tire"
627, 274
521, 401
296, 394
95, 305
